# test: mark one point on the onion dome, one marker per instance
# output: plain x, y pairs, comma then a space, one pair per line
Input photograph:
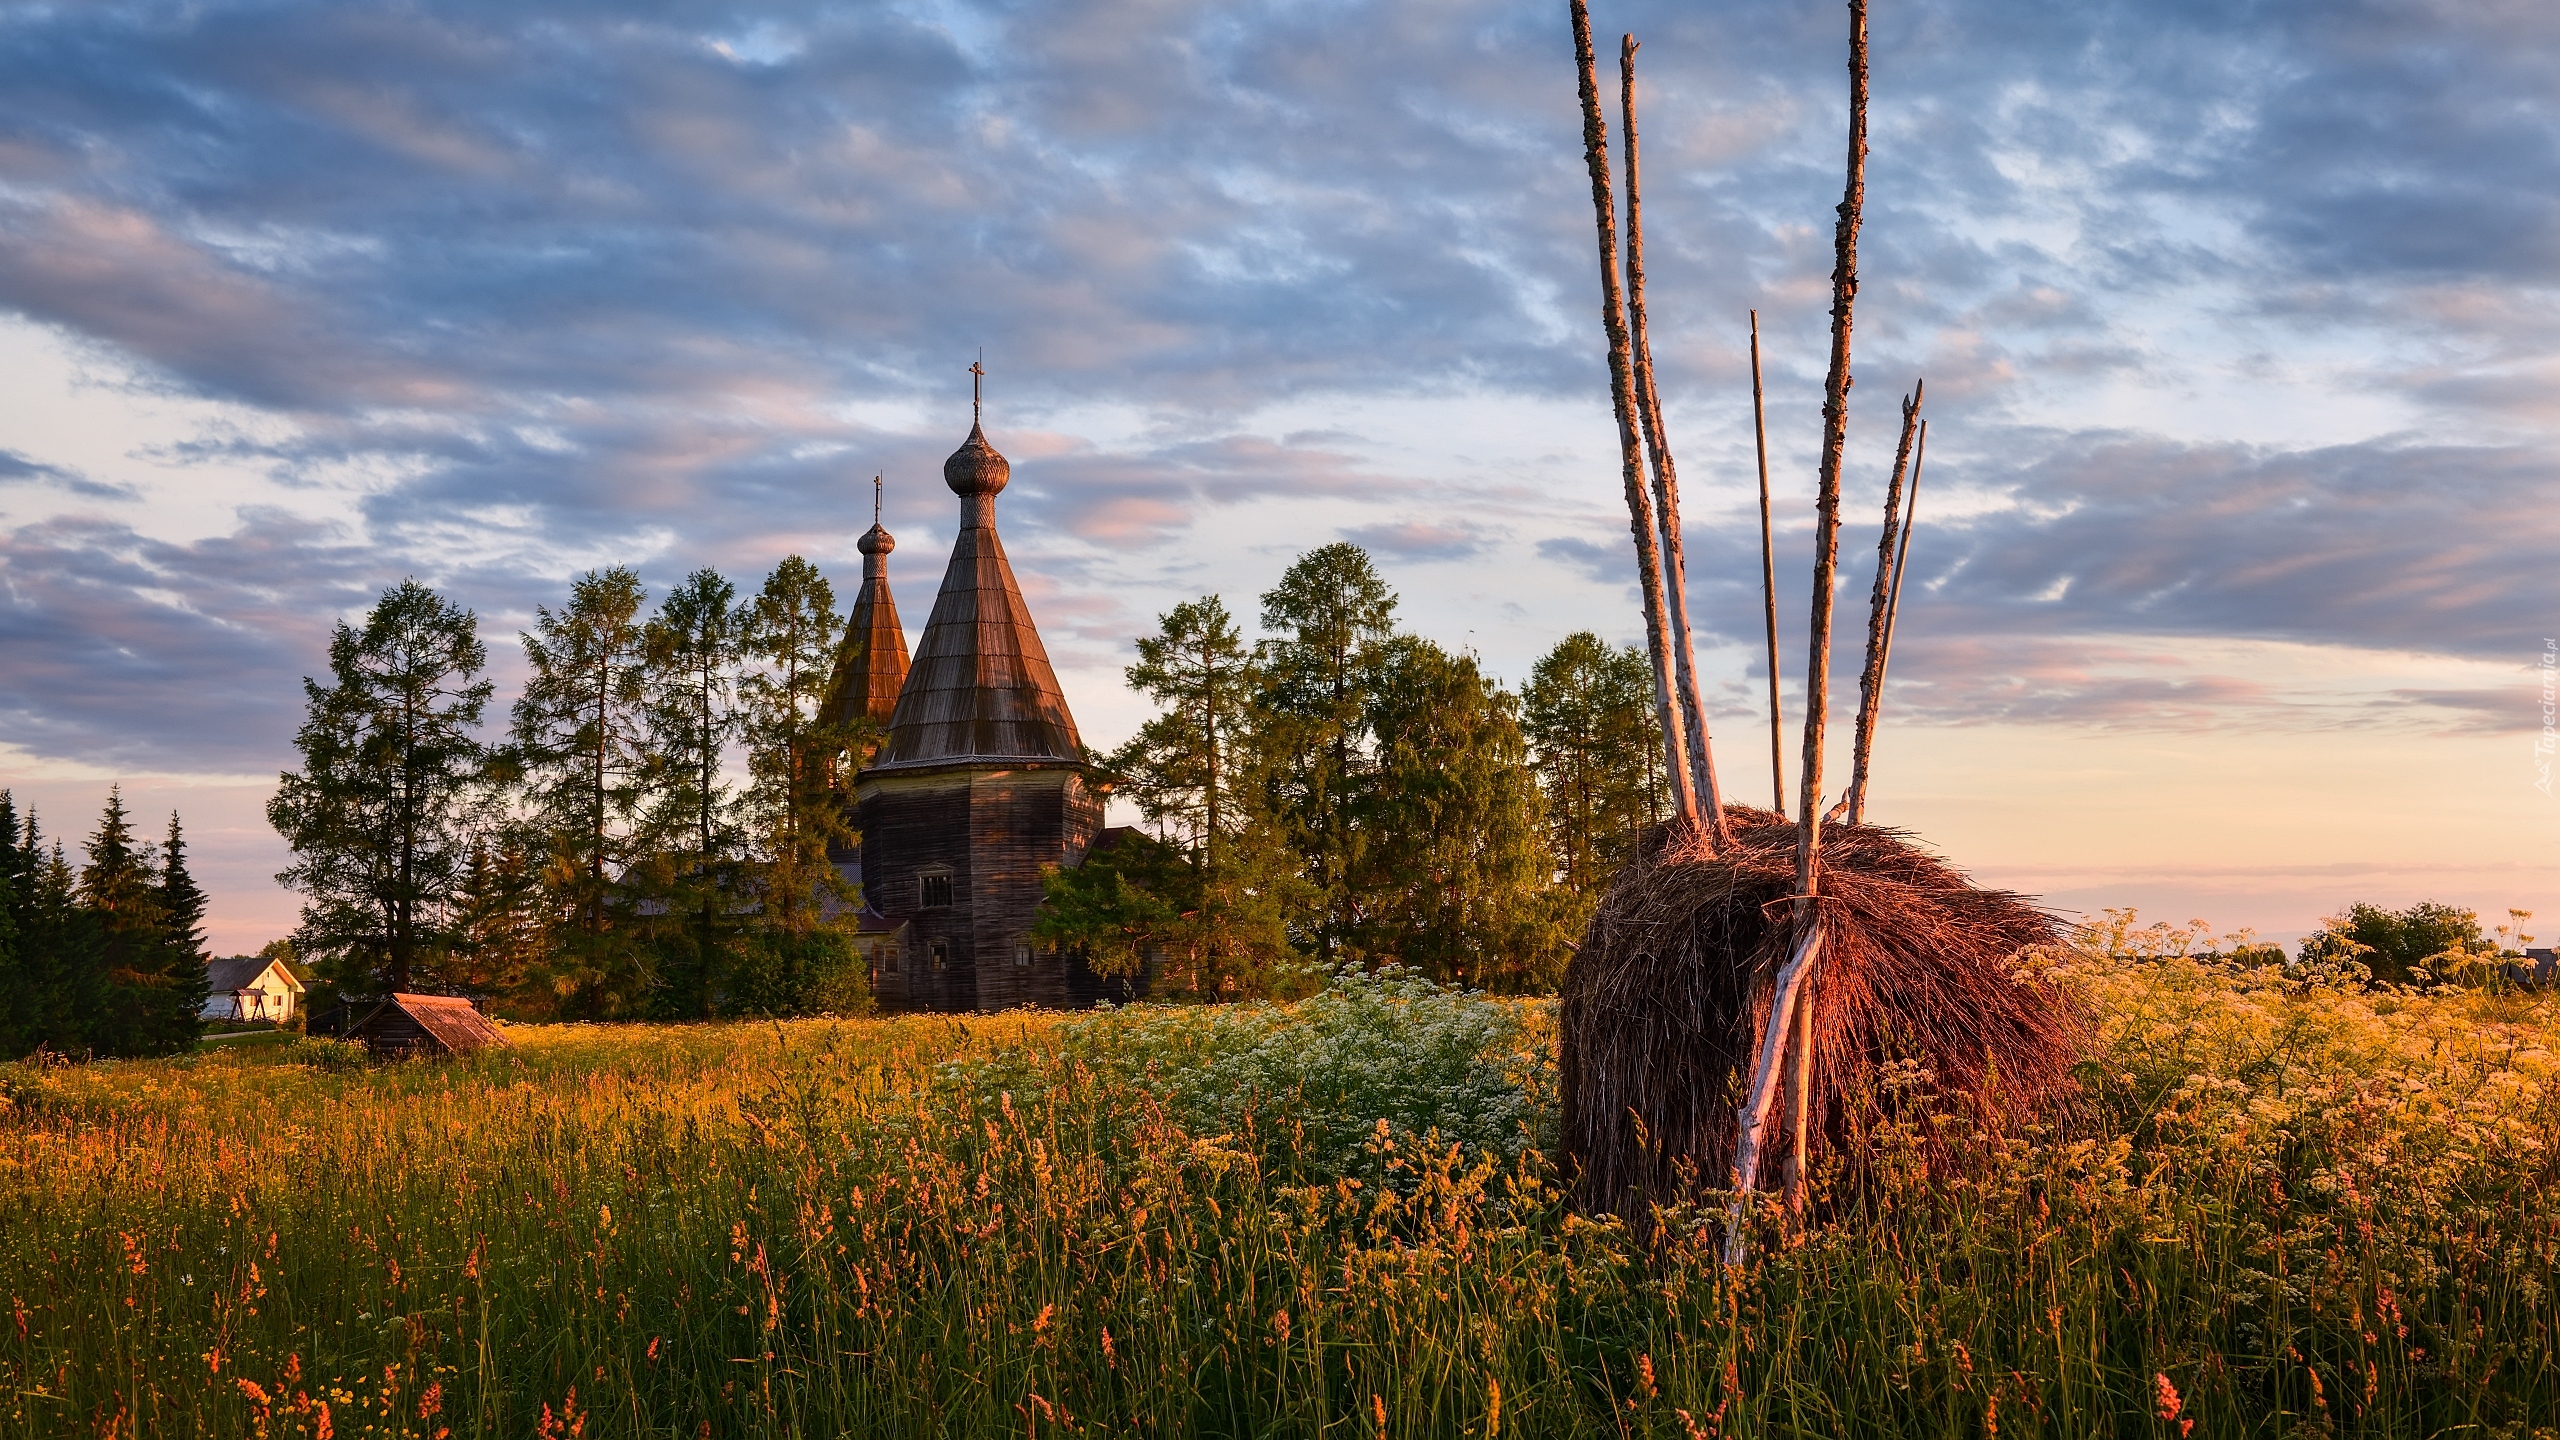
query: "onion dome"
876, 541
975, 468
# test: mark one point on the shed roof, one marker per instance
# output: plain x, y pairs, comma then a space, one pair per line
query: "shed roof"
981, 688
456, 1026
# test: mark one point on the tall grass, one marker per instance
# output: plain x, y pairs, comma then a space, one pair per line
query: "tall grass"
2288, 1208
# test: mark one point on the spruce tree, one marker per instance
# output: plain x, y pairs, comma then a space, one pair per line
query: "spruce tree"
691, 821
182, 911
63, 938
1454, 875
1596, 741
14, 987
378, 815
143, 989
581, 738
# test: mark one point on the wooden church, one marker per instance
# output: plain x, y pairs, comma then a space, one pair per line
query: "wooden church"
978, 782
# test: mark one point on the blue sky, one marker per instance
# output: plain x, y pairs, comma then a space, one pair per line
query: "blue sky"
2236, 562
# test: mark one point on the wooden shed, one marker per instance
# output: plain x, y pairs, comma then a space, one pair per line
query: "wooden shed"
410, 1026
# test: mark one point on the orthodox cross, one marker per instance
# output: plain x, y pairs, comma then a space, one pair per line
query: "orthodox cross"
977, 383
875, 502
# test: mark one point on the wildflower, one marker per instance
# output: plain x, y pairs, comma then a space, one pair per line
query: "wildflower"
1378, 1407
1110, 1357
2172, 1407
1644, 1367
432, 1400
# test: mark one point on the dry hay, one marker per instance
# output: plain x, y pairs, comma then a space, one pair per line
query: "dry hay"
1664, 1002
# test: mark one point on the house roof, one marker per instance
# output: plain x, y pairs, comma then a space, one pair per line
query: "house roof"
242, 971
981, 689
451, 1020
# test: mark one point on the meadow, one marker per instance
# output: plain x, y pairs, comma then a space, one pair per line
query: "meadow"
2288, 1206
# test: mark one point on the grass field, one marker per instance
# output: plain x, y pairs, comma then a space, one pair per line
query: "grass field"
2288, 1209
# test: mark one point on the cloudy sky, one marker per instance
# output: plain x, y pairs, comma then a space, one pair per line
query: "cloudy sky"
2238, 550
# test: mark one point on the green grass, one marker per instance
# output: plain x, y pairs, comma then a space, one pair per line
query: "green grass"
2303, 1210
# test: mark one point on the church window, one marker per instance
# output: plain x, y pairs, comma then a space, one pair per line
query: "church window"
936, 892
1022, 952
941, 949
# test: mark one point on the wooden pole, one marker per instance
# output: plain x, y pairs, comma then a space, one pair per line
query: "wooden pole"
1901, 562
1871, 678
1613, 322
1666, 475
1826, 556
1764, 1085
1835, 435
1768, 578
1799, 1103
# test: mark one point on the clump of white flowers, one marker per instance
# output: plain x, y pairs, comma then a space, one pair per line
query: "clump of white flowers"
1376, 1065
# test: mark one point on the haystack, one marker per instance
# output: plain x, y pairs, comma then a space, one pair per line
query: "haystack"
1665, 1002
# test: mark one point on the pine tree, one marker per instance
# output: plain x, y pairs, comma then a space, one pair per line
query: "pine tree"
182, 911
1229, 897
691, 821
143, 994
1331, 617
792, 798
378, 816
581, 738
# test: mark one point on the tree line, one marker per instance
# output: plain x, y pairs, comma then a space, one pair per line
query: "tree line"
601, 856
646, 831
103, 959
1342, 790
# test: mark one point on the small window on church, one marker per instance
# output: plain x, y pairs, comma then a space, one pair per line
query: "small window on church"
942, 948
1022, 953
937, 892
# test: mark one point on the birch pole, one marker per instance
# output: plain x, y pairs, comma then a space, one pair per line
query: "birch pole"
1768, 578
1911, 514
1666, 475
1613, 322
1835, 438
1807, 924
1871, 676
1799, 1107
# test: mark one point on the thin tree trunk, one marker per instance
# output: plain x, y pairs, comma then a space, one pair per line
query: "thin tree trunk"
1595, 145
1768, 577
1893, 604
1826, 554
1871, 678
1835, 434
1666, 475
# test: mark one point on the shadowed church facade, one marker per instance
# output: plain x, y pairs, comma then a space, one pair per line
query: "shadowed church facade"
979, 780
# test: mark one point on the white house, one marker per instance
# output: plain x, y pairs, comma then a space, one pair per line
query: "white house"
252, 988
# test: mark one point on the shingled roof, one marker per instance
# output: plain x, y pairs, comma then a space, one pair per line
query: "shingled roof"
871, 662
980, 689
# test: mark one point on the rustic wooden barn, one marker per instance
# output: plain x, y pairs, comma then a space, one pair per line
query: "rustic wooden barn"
404, 1027
979, 782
